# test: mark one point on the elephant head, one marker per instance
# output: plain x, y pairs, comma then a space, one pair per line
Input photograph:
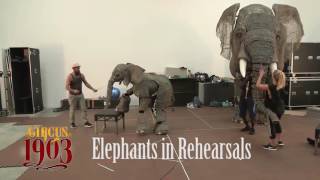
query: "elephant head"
126, 73
258, 37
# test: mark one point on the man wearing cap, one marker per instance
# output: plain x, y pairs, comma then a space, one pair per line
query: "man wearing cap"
74, 86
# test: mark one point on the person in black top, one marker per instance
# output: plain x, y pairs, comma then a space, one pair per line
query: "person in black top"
74, 87
246, 104
275, 104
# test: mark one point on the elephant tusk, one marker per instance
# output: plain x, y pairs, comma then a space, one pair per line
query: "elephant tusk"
273, 67
243, 67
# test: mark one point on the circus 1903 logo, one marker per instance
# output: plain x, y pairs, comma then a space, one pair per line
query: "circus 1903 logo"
48, 147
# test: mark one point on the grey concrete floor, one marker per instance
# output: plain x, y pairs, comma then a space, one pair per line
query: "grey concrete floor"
294, 161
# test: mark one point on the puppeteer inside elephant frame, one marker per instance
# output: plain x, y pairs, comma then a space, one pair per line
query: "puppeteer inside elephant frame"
259, 37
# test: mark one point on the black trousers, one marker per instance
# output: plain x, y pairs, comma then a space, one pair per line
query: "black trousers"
247, 105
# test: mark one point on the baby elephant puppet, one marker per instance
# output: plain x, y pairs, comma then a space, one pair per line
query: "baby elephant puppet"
154, 91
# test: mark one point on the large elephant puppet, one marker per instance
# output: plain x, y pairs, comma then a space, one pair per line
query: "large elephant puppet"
154, 91
258, 37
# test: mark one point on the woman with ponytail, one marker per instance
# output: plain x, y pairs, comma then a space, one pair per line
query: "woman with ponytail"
273, 102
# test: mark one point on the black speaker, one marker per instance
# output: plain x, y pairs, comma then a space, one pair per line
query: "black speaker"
184, 89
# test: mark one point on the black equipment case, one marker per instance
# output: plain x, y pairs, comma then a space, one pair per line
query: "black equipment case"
22, 80
184, 89
222, 91
302, 92
305, 60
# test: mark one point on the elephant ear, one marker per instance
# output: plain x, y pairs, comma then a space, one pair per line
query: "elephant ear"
291, 32
289, 17
224, 29
136, 73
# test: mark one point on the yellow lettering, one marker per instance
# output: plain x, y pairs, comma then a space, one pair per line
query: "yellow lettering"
44, 134
64, 132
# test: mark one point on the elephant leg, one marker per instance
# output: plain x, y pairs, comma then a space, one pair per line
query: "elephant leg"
142, 115
161, 126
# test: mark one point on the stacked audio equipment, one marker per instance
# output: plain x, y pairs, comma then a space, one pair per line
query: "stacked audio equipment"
303, 77
22, 80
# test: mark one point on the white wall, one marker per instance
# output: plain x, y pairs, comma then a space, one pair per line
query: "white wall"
102, 33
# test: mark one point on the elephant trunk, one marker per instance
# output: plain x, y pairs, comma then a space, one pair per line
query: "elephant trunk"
256, 93
259, 96
109, 91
